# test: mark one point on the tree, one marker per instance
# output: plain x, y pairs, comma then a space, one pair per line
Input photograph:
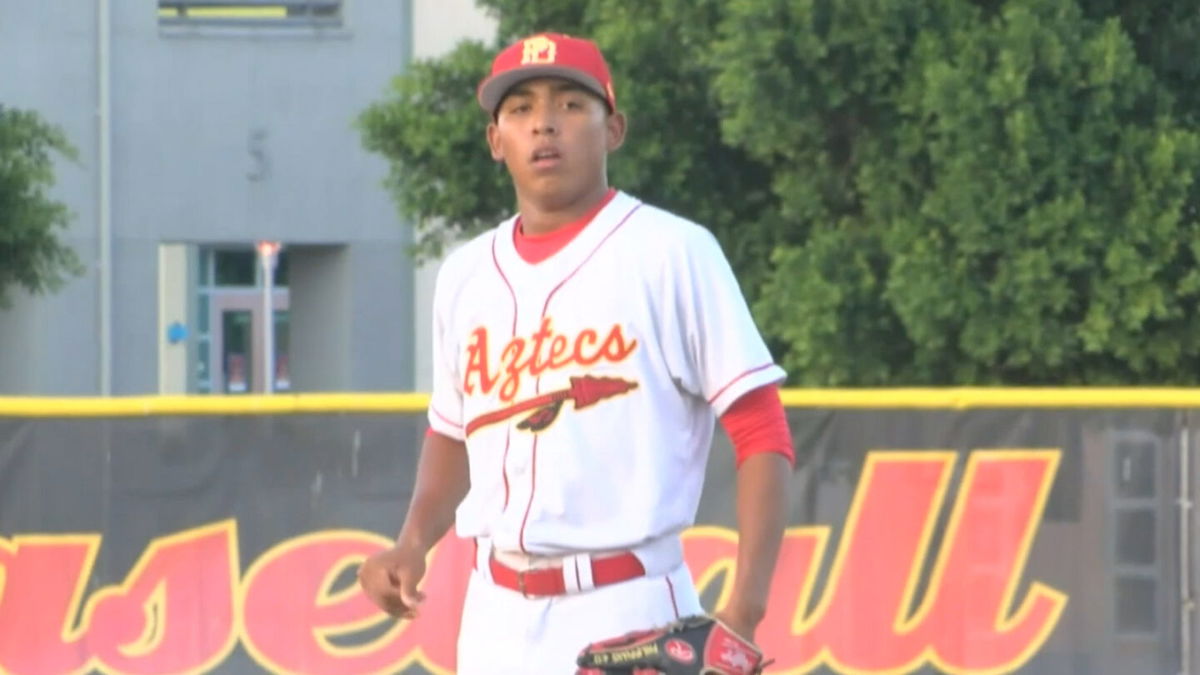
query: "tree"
1164, 36
31, 255
990, 194
916, 192
445, 182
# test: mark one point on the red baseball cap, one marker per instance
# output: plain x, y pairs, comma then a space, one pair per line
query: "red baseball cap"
547, 55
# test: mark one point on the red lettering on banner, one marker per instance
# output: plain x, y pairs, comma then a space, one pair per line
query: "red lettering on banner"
711, 554
42, 579
175, 611
173, 614
862, 623
299, 609
973, 623
295, 608
859, 622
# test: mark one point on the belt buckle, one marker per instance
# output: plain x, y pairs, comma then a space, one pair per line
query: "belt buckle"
521, 583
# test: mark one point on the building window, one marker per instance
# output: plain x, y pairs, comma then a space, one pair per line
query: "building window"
235, 268
239, 267
250, 12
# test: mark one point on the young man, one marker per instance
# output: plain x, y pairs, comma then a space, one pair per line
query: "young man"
581, 352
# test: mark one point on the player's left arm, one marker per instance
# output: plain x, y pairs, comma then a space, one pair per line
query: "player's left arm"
757, 427
761, 516
728, 364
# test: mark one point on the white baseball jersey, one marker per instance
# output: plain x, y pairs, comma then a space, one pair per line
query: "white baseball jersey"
586, 385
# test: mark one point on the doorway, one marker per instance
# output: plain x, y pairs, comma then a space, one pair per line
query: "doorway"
236, 344
232, 320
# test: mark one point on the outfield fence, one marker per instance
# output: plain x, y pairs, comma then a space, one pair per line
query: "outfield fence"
1032, 531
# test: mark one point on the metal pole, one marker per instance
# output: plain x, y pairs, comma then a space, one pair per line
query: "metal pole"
267, 252
104, 217
1185, 545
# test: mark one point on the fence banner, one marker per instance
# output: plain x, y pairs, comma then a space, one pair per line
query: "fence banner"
924, 540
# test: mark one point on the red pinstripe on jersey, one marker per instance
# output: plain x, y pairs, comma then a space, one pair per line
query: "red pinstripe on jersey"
508, 432
545, 308
738, 379
532, 489
511, 293
445, 419
671, 590
589, 257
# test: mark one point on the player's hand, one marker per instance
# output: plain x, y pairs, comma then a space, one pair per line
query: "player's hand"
389, 578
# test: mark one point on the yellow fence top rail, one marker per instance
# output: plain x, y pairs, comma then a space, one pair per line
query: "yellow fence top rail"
949, 398
275, 404
962, 398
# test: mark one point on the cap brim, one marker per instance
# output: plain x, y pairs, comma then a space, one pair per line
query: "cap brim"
493, 89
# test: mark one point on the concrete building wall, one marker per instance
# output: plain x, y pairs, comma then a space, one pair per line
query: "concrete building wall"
47, 343
219, 135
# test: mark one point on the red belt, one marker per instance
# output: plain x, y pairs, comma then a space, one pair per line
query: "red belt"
549, 581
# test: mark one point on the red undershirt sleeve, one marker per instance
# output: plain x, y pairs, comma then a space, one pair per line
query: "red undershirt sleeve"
756, 423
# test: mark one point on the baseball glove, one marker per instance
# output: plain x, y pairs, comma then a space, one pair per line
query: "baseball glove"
694, 645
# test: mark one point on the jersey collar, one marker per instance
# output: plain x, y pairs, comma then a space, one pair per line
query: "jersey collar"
572, 254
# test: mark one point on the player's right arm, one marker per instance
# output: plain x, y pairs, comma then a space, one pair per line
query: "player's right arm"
390, 577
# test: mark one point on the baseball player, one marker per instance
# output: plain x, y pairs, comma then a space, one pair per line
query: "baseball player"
582, 351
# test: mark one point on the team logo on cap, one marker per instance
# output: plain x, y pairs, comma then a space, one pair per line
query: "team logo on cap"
539, 49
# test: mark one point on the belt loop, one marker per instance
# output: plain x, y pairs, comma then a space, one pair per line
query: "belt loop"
570, 574
577, 572
483, 558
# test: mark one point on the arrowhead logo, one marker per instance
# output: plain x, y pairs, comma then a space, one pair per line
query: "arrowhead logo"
584, 391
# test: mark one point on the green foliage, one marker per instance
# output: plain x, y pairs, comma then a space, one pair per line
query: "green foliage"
1164, 34
444, 181
990, 196
31, 256
911, 191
